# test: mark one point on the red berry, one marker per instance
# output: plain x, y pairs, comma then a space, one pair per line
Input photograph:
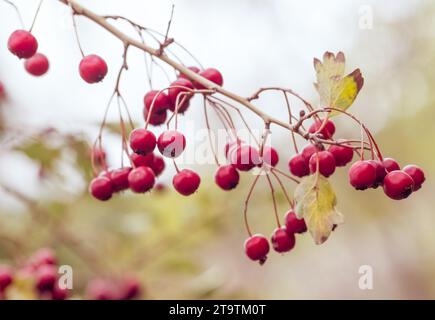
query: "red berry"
101, 289
293, 224
22, 44
210, 74
37, 65
129, 289
380, 173
158, 165
142, 141
231, 147
270, 156
6, 277
101, 188
119, 179
155, 119
257, 248
177, 87
141, 179
57, 293
309, 150
192, 68
46, 277
245, 158
326, 163
186, 182
417, 174
99, 155
298, 166
328, 130
362, 175
93, 68
160, 99
44, 256
342, 154
398, 185
227, 177
142, 161
171, 143
390, 164
282, 241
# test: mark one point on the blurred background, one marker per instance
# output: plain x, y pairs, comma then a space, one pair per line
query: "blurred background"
193, 247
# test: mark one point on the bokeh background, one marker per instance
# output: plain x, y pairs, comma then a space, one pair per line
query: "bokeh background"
193, 247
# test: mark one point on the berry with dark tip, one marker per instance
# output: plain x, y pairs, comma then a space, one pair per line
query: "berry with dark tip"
390, 164
298, 166
171, 143
6, 277
142, 141
141, 179
46, 277
326, 163
293, 224
282, 241
186, 182
119, 179
257, 247
101, 188
380, 173
227, 177
93, 68
417, 174
37, 65
22, 44
398, 185
156, 119
362, 175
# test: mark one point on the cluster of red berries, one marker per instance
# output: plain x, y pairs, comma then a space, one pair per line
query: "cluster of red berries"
25, 46
283, 239
146, 165
125, 288
42, 269
363, 174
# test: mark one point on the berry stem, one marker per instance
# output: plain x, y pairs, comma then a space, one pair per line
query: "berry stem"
36, 15
245, 210
275, 209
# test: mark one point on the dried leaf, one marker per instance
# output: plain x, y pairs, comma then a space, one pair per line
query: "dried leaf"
335, 89
316, 203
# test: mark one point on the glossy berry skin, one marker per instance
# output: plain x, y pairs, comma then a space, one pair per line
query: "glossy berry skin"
293, 224
417, 174
171, 143
93, 68
342, 154
210, 74
156, 119
142, 141
141, 179
390, 164
282, 241
270, 156
22, 44
46, 277
186, 182
227, 177
177, 87
257, 247
6, 277
245, 158
380, 173
309, 150
157, 165
101, 188
141, 160
398, 185
161, 102
37, 65
298, 166
326, 163
328, 130
191, 68
119, 179
362, 175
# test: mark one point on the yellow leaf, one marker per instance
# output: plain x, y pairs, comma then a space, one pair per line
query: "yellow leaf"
316, 203
335, 89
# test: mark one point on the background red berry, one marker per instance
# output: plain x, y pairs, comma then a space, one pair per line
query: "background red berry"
37, 65
417, 175
210, 74
342, 154
390, 164
327, 131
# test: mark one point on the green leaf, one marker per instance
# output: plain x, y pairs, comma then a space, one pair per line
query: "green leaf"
316, 203
335, 89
